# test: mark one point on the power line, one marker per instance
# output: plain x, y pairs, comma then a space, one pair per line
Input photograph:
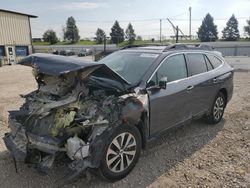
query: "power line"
147, 20
154, 19
140, 26
112, 21
218, 19
184, 13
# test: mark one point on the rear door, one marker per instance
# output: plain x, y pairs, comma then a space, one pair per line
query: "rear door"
168, 106
201, 82
215, 79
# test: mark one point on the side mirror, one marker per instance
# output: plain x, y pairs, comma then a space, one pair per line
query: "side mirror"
163, 83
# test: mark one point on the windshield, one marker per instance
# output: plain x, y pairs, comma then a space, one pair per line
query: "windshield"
130, 65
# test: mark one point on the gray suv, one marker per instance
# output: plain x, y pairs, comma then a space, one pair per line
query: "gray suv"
100, 115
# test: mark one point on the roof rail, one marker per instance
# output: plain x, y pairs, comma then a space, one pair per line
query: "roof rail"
143, 45
206, 47
180, 46
133, 46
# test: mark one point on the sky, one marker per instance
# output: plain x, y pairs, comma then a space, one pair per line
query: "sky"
144, 15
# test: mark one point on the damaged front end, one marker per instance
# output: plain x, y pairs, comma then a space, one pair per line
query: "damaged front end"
73, 112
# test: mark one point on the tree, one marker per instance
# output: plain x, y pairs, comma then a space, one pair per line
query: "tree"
130, 33
138, 37
207, 31
247, 28
50, 36
100, 35
71, 31
231, 31
117, 33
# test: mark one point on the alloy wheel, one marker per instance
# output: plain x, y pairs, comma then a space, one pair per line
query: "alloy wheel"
121, 152
218, 108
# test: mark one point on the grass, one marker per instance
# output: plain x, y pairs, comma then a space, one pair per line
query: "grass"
40, 43
88, 42
125, 43
85, 42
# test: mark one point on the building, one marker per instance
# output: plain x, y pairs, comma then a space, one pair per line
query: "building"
15, 36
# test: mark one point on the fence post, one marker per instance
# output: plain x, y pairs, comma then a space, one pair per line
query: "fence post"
235, 50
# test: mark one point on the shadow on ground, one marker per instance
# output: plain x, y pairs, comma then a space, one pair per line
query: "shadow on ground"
168, 151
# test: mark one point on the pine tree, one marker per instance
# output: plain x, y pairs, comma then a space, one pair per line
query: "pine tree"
138, 37
117, 33
208, 30
71, 31
247, 28
100, 35
50, 36
130, 33
231, 31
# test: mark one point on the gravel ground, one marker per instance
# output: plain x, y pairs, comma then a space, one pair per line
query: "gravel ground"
194, 155
239, 63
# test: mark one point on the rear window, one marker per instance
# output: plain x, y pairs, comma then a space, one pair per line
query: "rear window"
214, 60
209, 66
196, 64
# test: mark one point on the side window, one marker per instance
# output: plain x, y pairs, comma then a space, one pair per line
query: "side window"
196, 64
209, 66
153, 81
214, 60
174, 68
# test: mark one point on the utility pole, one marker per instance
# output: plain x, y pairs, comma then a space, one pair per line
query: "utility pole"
190, 35
177, 34
160, 29
104, 44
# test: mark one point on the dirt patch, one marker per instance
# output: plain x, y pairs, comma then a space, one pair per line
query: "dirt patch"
194, 155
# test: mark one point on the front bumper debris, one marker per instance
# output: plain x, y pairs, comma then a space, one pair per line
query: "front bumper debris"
17, 150
19, 142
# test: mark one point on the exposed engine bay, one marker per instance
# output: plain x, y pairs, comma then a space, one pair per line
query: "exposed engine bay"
73, 111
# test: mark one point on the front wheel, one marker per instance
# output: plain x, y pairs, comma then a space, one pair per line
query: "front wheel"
217, 109
121, 153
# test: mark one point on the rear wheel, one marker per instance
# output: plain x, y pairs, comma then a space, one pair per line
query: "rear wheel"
217, 109
121, 153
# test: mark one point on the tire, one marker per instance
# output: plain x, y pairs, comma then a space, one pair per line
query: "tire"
111, 167
217, 109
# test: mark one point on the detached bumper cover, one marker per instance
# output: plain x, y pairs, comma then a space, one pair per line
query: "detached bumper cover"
16, 150
19, 141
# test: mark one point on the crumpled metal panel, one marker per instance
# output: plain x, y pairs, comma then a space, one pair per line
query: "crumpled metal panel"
56, 65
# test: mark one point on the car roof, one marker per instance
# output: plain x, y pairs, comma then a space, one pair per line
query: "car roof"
169, 48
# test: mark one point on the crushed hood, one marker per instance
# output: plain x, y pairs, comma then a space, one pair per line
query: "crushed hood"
56, 65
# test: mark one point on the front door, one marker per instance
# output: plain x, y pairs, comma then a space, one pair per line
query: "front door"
168, 107
10, 54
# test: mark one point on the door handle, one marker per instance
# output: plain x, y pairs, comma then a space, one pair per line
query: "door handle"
189, 88
215, 80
